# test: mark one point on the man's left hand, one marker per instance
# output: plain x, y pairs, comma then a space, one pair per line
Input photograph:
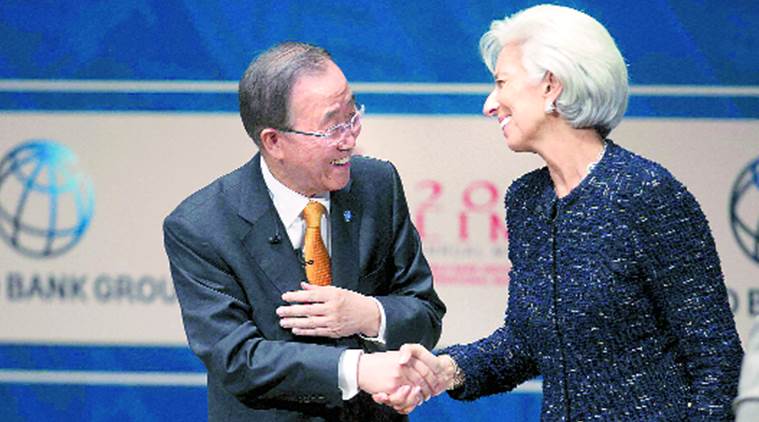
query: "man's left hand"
329, 311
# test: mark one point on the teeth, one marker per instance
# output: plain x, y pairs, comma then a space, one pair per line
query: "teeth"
341, 161
505, 121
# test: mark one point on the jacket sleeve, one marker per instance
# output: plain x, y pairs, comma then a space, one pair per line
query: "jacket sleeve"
413, 310
495, 364
221, 331
684, 275
503, 360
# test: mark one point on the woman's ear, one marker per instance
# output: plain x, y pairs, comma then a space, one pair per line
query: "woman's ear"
552, 87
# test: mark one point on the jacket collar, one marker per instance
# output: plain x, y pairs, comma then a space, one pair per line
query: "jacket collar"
345, 219
267, 241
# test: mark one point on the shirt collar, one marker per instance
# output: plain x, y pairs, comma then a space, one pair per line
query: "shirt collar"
288, 203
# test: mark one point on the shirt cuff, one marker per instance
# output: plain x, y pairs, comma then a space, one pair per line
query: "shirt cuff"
347, 373
383, 325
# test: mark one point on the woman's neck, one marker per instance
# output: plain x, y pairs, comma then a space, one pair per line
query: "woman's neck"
569, 154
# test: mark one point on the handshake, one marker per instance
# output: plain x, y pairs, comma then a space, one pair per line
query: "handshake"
407, 378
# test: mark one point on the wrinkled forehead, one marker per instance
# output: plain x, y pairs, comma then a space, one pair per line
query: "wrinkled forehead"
324, 92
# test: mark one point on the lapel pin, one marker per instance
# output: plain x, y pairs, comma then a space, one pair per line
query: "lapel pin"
347, 216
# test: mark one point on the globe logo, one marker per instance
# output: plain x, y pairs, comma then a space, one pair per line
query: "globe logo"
744, 210
46, 202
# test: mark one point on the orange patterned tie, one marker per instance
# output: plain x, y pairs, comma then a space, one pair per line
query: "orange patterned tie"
314, 251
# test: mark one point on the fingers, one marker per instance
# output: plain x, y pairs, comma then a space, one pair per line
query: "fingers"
406, 356
305, 320
309, 286
301, 296
311, 294
402, 387
316, 332
305, 323
427, 365
414, 378
418, 352
322, 326
409, 370
381, 398
403, 400
294, 311
413, 400
424, 377
324, 311
416, 373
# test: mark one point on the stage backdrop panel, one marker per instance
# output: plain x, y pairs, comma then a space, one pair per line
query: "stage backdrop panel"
113, 286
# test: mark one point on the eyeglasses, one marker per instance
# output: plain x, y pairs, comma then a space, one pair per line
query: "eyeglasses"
352, 125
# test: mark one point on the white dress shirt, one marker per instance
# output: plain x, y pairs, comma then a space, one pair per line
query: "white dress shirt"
289, 205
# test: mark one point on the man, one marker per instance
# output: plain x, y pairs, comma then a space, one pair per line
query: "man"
292, 268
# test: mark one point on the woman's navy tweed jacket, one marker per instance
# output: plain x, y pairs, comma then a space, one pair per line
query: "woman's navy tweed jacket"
616, 298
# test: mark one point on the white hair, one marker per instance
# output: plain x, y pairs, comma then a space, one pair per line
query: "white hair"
576, 49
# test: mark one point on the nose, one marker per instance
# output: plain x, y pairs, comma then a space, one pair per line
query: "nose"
490, 108
348, 140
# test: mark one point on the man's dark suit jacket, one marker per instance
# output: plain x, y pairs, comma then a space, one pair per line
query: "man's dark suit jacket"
229, 273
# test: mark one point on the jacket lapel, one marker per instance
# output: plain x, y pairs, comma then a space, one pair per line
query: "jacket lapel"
345, 217
267, 241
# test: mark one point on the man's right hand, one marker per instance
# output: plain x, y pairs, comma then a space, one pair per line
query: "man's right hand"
388, 371
438, 374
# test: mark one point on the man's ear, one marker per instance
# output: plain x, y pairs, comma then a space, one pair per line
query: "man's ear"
552, 88
271, 143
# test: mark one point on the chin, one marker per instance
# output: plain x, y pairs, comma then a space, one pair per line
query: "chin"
519, 144
337, 183
514, 146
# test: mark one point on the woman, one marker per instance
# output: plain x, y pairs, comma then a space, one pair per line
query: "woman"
616, 295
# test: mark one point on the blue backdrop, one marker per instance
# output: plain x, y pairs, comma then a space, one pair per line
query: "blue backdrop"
701, 43
687, 59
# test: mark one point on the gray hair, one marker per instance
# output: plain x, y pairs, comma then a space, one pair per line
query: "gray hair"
265, 88
575, 48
